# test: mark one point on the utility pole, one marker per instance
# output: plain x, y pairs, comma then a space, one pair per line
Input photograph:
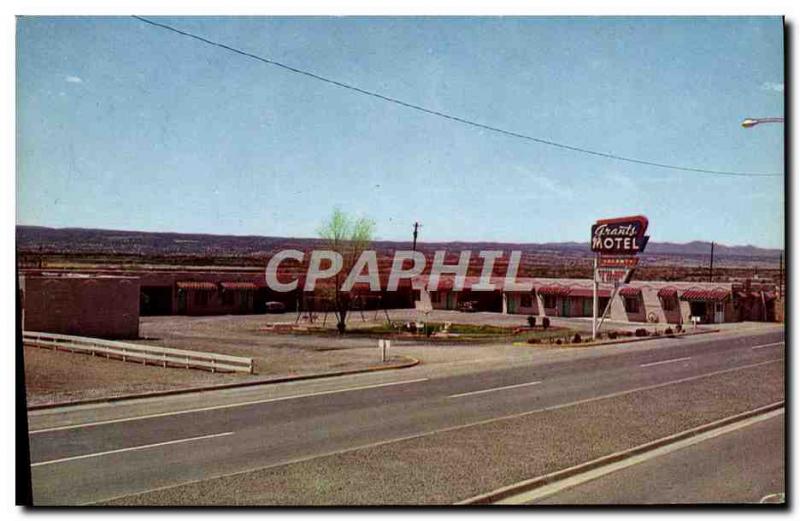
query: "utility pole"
780, 278
711, 265
417, 226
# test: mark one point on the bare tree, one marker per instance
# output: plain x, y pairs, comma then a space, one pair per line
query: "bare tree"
349, 237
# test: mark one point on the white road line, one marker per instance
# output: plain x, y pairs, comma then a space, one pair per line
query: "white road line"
225, 406
129, 449
767, 345
567, 483
780, 497
672, 360
493, 389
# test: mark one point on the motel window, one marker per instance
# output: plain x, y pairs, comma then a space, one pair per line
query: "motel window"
632, 304
668, 304
549, 301
525, 301
201, 298
227, 298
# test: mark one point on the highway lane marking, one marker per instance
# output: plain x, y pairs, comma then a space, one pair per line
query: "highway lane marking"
129, 449
767, 345
573, 481
225, 406
780, 497
670, 361
452, 428
493, 389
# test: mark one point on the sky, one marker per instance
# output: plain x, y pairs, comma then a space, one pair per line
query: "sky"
123, 125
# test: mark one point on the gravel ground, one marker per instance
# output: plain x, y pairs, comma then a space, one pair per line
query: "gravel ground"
273, 354
54, 376
450, 466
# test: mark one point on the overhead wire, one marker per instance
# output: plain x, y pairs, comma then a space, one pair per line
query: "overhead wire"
451, 117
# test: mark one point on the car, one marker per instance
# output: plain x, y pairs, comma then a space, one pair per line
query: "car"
275, 307
469, 306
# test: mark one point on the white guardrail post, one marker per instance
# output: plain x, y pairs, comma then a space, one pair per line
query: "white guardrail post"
383, 346
163, 356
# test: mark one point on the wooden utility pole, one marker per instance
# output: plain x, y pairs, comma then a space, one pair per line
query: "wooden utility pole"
711, 265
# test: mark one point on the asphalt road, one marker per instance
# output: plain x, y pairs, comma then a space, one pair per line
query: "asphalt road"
743, 466
126, 450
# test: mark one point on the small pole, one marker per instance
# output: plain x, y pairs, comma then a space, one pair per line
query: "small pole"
416, 231
711, 265
595, 300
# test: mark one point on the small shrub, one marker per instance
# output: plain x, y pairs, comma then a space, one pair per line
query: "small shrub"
656, 333
533, 340
545, 322
641, 332
612, 335
558, 341
679, 328
532, 321
668, 331
576, 339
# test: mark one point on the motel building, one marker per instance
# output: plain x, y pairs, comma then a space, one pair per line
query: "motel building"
638, 301
108, 304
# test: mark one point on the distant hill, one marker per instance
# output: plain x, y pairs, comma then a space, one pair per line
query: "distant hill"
39, 239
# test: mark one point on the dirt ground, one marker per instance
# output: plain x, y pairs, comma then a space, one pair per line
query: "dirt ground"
55, 376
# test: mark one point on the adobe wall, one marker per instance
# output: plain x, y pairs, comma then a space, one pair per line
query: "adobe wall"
102, 307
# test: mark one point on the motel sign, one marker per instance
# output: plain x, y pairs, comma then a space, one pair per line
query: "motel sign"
620, 236
616, 244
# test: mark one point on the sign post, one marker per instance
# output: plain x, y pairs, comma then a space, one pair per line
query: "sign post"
595, 300
615, 243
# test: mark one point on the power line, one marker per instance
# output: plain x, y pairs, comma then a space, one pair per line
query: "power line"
448, 116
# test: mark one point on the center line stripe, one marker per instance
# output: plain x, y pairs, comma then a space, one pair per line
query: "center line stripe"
492, 389
224, 406
129, 449
767, 345
666, 361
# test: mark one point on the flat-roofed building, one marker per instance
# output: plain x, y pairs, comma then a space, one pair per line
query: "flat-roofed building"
102, 306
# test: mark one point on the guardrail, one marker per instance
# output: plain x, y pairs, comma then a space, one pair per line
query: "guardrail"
127, 352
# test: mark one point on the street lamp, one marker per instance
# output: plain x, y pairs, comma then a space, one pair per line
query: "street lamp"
752, 122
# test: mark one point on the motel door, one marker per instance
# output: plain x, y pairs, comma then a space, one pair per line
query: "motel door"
719, 312
182, 302
564, 307
451, 301
512, 303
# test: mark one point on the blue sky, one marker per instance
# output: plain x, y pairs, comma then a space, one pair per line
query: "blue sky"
124, 125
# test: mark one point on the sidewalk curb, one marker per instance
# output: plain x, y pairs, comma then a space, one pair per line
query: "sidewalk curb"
538, 482
410, 362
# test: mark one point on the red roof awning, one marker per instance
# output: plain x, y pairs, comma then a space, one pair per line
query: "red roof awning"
197, 286
712, 295
630, 292
588, 292
667, 293
239, 285
553, 291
